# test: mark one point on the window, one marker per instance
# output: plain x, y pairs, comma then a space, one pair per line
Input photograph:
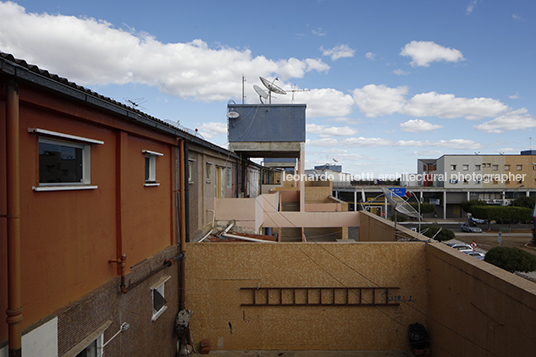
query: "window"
159, 301
519, 167
64, 161
465, 167
150, 167
229, 177
477, 167
452, 167
207, 172
453, 181
506, 167
495, 167
190, 172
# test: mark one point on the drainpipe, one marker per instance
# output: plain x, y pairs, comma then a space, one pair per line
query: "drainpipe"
183, 177
14, 307
122, 263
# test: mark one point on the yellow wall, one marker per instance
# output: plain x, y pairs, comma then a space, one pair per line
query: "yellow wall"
216, 272
477, 309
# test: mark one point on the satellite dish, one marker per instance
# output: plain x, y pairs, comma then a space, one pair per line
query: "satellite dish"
272, 88
260, 92
232, 115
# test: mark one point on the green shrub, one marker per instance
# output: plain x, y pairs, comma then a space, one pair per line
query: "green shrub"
425, 207
533, 236
445, 234
525, 201
399, 217
511, 259
468, 205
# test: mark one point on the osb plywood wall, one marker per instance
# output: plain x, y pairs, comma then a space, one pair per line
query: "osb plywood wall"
215, 272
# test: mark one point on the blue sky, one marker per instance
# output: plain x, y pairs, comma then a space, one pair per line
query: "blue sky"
388, 82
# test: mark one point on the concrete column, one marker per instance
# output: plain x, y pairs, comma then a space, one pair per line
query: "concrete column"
468, 195
302, 173
355, 200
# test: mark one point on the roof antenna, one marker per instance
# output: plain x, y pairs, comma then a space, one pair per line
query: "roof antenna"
272, 88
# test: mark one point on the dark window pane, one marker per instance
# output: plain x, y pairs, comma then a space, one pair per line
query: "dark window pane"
159, 300
147, 168
59, 163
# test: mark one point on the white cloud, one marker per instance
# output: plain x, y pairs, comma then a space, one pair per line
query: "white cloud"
448, 106
374, 100
423, 53
514, 120
516, 17
370, 56
318, 32
325, 102
325, 131
337, 52
93, 52
362, 142
346, 120
212, 129
471, 6
514, 96
418, 125
400, 72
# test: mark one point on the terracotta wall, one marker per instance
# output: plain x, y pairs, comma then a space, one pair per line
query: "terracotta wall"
67, 237
477, 309
216, 272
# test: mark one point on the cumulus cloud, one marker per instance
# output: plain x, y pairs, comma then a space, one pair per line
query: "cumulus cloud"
338, 52
418, 125
375, 100
93, 52
516, 120
370, 56
325, 131
448, 106
325, 102
212, 129
423, 53
400, 72
362, 142
318, 32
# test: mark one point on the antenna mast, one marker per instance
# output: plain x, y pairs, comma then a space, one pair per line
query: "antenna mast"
243, 95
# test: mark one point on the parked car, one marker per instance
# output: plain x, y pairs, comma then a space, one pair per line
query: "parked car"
477, 255
471, 229
462, 247
477, 220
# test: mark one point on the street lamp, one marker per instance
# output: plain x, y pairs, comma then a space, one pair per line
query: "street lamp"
419, 205
514, 193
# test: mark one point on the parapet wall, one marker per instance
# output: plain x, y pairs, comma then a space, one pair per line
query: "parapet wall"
477, 309
216, 272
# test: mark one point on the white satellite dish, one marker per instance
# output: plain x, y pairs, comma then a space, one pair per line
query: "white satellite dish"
260, 92
272, 88
232, 115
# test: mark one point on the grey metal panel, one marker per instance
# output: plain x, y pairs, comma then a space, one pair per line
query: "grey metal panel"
267, 122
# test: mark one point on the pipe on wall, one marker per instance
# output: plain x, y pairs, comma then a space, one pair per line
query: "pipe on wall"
14, 308
182, 179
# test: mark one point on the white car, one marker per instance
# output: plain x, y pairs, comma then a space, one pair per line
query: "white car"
477, 255
462, 247
471, 229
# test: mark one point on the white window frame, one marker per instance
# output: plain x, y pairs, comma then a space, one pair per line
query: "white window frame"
78, 142
190, 170
151, 155
159, 286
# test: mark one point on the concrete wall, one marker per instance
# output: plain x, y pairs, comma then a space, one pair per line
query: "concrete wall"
216, 272
476, 309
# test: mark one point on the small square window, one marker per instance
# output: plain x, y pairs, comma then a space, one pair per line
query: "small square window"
452, 167
158, 297
477, 167
506, 167
519, 167
465, 167
62, 162
495, 167
150, 167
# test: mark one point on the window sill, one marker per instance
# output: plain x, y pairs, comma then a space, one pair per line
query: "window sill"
64, 188
151, 184
160, 312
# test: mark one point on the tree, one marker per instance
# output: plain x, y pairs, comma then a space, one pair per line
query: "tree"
467, 205
425, 207
524, 201
511, 259
445, 234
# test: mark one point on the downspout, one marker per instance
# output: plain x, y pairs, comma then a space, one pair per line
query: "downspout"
183, 177
14, 307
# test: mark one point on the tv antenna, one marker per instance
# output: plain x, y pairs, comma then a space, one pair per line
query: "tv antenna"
297, 90
135, 103
272, 88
